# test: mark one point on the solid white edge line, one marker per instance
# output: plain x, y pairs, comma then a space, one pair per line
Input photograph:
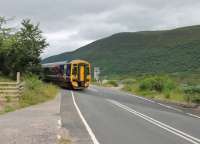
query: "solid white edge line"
140, 97
166, 106
158, 123
169, 107
193, 115
93, 137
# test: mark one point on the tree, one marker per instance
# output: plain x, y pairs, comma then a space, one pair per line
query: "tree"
21, 51
31, 44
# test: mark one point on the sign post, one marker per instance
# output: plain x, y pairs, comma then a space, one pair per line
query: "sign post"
97, 74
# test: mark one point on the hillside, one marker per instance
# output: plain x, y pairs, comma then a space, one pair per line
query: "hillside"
168, 51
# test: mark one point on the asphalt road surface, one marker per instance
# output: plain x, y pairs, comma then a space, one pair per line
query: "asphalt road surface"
103, 116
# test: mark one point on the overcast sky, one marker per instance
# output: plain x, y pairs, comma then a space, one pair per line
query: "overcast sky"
70, 24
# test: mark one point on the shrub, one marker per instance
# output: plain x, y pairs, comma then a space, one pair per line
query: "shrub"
192, 93
35, 91
129, 81
191, 89
111, 83
156, 83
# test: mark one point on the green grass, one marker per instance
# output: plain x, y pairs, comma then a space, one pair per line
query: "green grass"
167, 88
64, 141
35, 91
5, 79
111, 83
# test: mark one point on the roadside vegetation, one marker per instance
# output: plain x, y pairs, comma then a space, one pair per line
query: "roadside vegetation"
174, 88
110, 83
64, 141
35, 91
20, 50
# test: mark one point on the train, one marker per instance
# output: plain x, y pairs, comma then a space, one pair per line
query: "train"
74, 74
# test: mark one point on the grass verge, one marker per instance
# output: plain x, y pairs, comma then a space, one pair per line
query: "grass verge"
165, 88
35, 91
110, 83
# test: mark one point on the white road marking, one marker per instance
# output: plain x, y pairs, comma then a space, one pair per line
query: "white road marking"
143, 98
164, 126
93, 89
193, 115
170, 107
58, 137
59, 123
166, 106
93, 137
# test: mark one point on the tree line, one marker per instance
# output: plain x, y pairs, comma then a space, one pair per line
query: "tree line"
20, 48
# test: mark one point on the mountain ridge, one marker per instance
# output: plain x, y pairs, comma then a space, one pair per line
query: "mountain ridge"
163, 51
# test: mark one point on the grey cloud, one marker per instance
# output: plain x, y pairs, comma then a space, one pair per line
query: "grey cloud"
81, 21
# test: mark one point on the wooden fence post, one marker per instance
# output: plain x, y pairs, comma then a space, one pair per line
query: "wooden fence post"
18, 77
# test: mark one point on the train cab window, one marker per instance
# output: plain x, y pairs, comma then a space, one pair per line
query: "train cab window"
75, 69
87, 69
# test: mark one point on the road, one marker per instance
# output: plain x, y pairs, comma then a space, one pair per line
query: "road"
104, 116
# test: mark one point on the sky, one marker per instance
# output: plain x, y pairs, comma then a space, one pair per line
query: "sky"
70, 24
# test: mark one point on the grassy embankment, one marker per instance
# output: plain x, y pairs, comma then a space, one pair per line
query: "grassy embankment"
34, 92
181, 88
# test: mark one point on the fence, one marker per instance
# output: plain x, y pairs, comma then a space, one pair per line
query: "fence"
11, 91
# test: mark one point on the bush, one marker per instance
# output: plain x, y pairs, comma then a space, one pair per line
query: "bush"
35, 91
156, 83
192, 93
111, 83
129, 81
191, 89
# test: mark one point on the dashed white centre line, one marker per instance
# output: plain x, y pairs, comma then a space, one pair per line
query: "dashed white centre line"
93, 137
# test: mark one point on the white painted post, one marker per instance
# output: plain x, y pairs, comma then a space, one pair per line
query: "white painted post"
18, 77
97, 74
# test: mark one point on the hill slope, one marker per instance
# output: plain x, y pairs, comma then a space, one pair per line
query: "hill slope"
167, 51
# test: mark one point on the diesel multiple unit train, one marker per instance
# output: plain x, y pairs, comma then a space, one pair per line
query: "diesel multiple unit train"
75, 74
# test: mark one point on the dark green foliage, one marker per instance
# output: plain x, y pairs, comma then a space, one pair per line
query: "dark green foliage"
192, 93
137, 53
192, 89
20, 51
157, 83
111, 83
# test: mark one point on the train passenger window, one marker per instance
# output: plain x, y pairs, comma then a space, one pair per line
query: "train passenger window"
74, 70
62, 69
68, 69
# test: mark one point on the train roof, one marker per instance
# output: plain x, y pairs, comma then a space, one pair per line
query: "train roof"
54, 64
63, 62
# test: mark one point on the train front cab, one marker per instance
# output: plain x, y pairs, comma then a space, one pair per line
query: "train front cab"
80, 74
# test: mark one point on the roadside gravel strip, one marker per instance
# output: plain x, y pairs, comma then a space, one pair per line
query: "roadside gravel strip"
33, 125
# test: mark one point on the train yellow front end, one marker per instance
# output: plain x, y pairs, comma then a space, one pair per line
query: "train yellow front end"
80, 74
